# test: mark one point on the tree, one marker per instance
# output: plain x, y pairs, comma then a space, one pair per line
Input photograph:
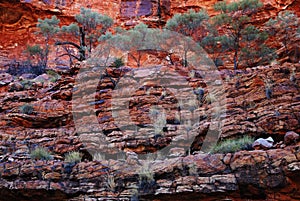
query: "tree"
192, 24
132, 41
286, 27
254, 51
48, 28
89, 26
234, 22
189, 24
36, 59
215, 44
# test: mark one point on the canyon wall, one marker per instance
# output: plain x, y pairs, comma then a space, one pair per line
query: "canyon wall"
18, 18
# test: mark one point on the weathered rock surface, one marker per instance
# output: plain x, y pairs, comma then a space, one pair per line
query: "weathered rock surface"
258, 174
291, 138
249, 175
19, 17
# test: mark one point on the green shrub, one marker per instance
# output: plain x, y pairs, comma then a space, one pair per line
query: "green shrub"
233, 145
73, 157
118, 63
26, 109
40, 153
53, 75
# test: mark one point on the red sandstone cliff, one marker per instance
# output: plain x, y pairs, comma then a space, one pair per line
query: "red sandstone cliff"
18, 18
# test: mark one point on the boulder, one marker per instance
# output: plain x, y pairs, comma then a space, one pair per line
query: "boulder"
291, 138
262, 143
5, 79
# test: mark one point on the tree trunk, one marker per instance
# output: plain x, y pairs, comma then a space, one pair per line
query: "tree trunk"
236, 50
82, 44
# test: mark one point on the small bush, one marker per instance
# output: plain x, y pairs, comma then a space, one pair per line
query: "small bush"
73, 157
53, 75
40, 153
26, 109
233, 145
17, 68
118, 63
147, 183
110, 183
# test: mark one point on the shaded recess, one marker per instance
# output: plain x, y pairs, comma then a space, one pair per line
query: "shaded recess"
135, 8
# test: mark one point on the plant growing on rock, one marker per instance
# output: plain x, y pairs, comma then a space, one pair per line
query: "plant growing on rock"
233, 145
160, 120
285, 26
26, 109
48, 28
73, 157
88, 28
147, 183
40, 153
189, 24
110, 183
118, 63
244, 39
192, 24
36, 59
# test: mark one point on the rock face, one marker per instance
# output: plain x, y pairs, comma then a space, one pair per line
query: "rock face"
254, 175
271, 174
48, 120
291, 138
19, 17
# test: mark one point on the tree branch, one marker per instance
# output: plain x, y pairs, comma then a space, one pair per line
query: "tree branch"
70, 55
68, 43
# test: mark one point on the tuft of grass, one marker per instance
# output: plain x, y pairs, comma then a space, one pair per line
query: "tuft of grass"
110, 183
118, 63
26, 109
233, 145
73, 157
40, 153
54, 76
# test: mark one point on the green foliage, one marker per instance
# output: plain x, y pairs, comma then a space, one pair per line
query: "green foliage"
40, 153
26, 109
90, 20
72, 28
37, 59
233, 145
187, 23
118, 63
49, 26
239, 35
53, 75
73, 157
34, 50
286, 26
132, 41
88, 28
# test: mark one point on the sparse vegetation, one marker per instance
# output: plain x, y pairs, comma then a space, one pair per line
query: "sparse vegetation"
26, 109
239, 35
159, 118
48, 28
73, 157
53, 75
147, 183
118, 63
233, 145
110, 183
286, 27
88, 28
40, 153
